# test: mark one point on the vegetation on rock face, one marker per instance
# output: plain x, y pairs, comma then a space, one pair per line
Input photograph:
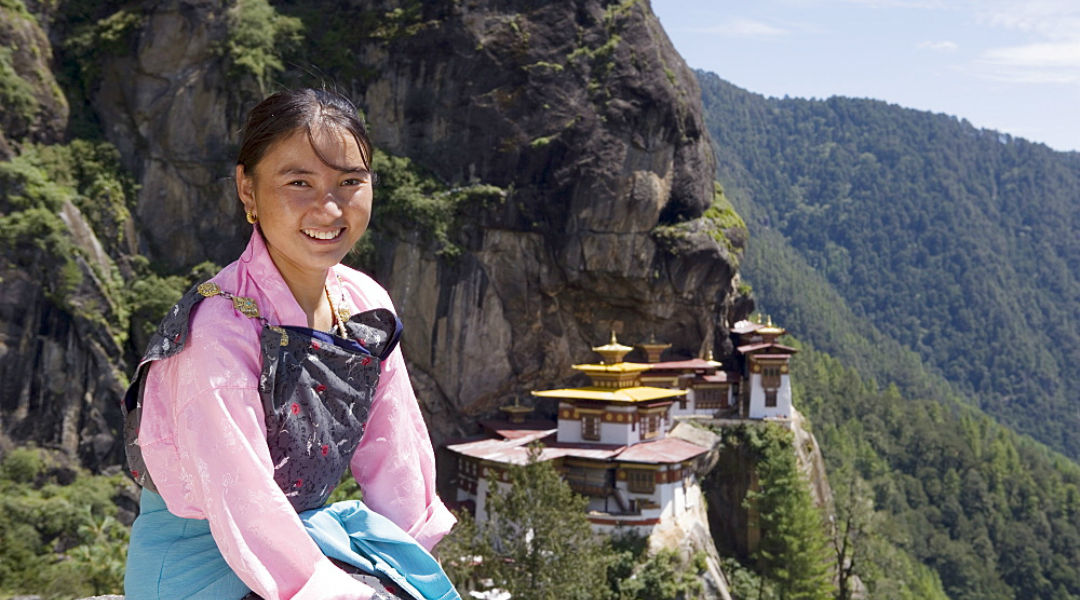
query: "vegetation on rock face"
258, 38
30, 226
727, 227
104, 192
720, 222
110, 36
16, 94
59, 537
34, 186
409, 201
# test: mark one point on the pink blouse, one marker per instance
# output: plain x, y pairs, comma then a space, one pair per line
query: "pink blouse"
203, 438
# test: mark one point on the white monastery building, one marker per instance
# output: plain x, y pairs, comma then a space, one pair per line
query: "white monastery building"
611, 439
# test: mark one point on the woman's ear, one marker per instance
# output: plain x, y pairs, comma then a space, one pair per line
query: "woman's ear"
245, 189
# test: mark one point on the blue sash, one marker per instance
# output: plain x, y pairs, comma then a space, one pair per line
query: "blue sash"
172, 558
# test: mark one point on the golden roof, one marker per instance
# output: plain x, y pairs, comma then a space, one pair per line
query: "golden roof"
615, 369
622, 395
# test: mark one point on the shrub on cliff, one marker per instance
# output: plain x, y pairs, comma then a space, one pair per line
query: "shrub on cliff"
58, 533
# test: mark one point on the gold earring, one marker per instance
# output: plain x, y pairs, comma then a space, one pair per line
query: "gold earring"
251, 218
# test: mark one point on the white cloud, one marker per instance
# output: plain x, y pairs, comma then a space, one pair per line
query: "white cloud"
1044, 62
1052, 54
1047, 19
1041, 55
942, 46
743, 28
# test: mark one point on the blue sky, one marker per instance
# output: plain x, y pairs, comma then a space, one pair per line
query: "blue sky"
1013, 66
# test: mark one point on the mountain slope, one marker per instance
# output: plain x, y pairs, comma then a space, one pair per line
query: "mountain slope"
874, 236
958, 243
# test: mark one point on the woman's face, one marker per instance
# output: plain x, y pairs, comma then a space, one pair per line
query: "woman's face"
311, 214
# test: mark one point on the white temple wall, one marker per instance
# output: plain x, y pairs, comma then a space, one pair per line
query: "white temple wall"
758, 410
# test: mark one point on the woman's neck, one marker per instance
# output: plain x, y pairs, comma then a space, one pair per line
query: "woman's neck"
310, 294
309, 289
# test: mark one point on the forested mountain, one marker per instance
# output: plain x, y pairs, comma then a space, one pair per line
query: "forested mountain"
959, 243
938, 265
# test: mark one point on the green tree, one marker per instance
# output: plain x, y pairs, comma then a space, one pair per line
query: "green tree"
537, 543
793, 553
548, 548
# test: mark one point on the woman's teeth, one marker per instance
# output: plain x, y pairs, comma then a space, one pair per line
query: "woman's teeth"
321, 235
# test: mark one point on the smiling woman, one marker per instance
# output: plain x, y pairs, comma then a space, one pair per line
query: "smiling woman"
265, 383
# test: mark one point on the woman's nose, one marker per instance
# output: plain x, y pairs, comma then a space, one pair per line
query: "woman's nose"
331, 203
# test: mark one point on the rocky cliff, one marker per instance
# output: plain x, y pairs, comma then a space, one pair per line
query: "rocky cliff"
581, 112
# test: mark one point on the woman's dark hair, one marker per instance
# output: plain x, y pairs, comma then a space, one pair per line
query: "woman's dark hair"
282, 114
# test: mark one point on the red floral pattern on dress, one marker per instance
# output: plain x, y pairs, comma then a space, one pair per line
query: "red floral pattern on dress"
295, 408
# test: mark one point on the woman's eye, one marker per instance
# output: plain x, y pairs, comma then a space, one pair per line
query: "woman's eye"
298, 183
355, 181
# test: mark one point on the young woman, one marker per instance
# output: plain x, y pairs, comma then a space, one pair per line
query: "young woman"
263, 384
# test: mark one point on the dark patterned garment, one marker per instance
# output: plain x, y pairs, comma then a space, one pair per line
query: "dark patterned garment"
316, 390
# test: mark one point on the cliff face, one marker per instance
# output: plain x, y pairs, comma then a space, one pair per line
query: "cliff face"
32, 106
60, 366
585, 112
581, 111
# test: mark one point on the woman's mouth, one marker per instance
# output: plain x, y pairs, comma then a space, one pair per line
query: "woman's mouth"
322, 234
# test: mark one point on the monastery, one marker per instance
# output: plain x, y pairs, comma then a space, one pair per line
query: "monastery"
611, 439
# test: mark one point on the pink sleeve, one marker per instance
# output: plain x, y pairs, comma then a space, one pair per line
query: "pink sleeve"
224, 459
395, 464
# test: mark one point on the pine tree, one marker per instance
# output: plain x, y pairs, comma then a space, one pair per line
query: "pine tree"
794, 552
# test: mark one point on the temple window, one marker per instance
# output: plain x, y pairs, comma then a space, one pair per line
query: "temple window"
770, 398
710, 397
770, 377
641, 481
590, 427
650, 425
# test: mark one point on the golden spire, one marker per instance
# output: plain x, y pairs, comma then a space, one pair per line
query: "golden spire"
516, 413
772, 331
653, 349
613, 352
